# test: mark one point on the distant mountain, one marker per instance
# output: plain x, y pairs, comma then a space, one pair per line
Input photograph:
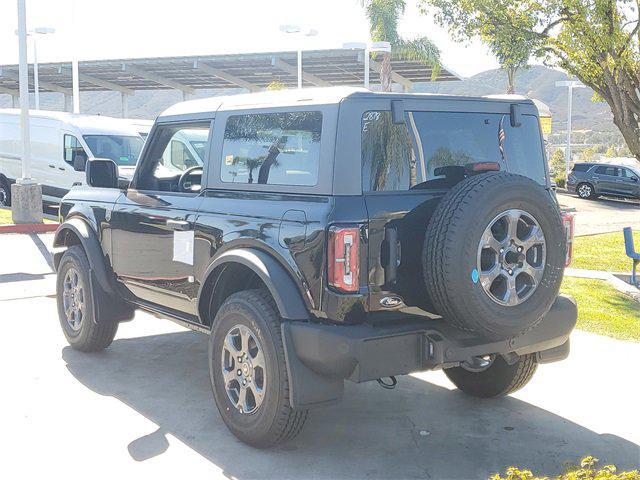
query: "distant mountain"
535, 82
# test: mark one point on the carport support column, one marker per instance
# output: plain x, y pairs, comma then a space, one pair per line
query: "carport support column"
68, 104
125, 104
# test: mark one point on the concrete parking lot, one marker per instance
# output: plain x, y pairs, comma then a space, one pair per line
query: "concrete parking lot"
143, 408
602, 215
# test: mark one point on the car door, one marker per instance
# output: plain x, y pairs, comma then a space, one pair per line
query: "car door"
58, 172
629, 183
152, 224
607, 179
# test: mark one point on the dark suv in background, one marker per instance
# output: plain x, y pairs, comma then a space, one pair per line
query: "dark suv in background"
330, 235
590, 180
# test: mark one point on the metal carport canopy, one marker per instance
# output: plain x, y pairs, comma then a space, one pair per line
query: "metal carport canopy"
252, 71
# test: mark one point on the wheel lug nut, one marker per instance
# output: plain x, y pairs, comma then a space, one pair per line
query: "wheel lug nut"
502, 250
239, 372
244, 382
510, 272
519, 249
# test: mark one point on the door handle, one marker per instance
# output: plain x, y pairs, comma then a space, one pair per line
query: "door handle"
178, 225
52, 166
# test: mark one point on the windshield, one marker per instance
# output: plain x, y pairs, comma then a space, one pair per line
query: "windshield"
433, 148
124, 150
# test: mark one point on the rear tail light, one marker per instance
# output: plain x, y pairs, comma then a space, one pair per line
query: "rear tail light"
568, 224
343, 258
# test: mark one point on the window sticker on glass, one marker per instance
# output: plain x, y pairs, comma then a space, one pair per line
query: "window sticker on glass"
228, 160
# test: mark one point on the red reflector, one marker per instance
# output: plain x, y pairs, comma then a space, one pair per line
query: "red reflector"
568, 224
343, 258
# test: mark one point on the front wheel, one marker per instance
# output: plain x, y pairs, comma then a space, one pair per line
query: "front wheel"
5, 193
76, 305
248, 371
495, 380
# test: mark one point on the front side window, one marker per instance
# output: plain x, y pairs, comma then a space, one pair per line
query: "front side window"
122, 149
272, 148
433, 149
72, 149
171, 165
629, 174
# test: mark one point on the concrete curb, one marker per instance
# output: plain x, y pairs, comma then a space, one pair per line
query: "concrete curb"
29, 228
610, 277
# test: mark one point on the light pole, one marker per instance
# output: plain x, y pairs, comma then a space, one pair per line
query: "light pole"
570, 84
26, 195
375, 47
296, 29
33, 33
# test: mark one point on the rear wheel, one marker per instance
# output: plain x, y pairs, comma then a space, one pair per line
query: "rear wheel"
5, 193
586, 191
496, 379
76, 305
248, 371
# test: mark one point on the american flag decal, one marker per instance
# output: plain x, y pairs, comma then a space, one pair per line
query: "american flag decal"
502, 136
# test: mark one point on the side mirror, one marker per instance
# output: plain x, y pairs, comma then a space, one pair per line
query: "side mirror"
79, 162
102, 173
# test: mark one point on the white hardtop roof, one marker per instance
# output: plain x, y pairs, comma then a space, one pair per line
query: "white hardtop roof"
308, 96
87, 124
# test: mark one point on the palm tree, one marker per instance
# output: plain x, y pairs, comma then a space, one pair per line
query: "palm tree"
383, 18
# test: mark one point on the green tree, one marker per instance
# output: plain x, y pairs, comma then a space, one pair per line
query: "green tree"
595, 40
512, 48
557, 162
383, 16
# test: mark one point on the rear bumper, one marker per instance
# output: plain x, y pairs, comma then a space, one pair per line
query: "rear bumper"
331, 354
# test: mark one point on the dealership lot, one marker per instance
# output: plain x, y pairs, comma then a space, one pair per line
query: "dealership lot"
145, 405
602, 215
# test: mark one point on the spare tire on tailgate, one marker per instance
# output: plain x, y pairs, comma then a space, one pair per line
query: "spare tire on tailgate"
494, 254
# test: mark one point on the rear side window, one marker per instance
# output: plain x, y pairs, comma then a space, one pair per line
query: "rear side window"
432, 149
611, 171
581, 167
272, 148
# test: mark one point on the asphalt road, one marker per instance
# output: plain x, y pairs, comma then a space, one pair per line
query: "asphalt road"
143, 408
602, 215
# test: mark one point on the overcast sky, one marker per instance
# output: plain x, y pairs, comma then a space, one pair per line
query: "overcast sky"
144, 28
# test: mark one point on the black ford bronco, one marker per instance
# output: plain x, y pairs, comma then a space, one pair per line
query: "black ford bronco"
326, 235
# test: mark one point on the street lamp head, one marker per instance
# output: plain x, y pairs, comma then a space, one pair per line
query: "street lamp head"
354, 46
290, 28
381, 47
44, 30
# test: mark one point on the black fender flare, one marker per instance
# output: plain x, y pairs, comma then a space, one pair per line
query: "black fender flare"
278, 281
91, 245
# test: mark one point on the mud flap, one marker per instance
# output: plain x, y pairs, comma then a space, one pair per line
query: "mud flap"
107, 308
307, 389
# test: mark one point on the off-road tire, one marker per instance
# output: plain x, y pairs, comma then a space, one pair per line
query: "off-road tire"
449, 255
93, 336
498, 380
274, 421
5, 192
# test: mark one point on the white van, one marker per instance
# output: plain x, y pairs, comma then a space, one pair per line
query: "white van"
61, 143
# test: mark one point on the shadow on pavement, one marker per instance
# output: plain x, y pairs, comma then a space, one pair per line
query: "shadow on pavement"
419, 430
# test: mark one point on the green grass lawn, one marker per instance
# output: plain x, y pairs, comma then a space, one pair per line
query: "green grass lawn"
5, 217
604, 310
603, 252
